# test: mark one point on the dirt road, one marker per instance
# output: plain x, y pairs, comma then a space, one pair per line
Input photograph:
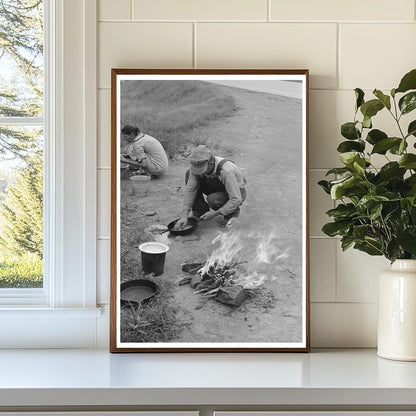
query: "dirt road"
264, 139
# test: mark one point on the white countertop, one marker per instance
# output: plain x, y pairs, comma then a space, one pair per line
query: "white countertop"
96, 377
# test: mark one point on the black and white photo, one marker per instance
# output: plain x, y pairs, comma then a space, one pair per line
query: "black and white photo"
209, 244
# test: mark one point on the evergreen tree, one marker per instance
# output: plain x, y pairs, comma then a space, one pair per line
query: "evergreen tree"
21, 212
21, 95
21, 85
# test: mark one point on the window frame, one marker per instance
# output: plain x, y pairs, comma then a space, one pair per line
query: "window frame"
70, 208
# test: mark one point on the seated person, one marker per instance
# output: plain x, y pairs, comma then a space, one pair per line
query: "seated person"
143, 151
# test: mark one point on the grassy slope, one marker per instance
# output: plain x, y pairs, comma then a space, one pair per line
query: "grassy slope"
168, 110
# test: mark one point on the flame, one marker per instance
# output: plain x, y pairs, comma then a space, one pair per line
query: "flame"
236, 248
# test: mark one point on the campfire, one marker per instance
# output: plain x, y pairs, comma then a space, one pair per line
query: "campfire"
234, 268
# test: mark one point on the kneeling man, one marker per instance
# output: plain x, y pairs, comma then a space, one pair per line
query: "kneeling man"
215, 188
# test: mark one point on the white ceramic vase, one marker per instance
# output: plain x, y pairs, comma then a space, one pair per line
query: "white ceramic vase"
397, 312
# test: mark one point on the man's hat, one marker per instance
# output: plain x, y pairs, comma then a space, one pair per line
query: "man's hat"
199, 159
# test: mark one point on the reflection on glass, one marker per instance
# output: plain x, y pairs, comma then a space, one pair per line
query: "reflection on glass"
21, 58
21, 207
21, 145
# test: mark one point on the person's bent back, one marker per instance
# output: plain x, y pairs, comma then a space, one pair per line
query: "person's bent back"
144, 151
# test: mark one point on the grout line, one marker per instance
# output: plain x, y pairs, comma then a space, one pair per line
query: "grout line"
194, 63
269, 10
103, 238
131, 9
319, 169
344, 303
338, 63
104, 168
336, 270
310, 22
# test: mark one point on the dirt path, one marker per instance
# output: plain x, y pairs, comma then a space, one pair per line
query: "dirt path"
264, 138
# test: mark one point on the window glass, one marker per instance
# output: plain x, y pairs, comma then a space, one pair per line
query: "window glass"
21, 143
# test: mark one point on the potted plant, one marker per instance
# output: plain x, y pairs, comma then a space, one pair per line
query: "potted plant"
376, 209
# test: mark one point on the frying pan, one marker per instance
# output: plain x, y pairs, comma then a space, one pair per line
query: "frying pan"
137, 291
188, 229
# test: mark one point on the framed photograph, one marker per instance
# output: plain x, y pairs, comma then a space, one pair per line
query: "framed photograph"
209, 212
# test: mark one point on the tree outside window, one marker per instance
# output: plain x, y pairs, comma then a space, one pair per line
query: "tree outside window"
21, 143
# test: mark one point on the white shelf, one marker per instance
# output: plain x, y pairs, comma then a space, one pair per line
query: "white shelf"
57, 378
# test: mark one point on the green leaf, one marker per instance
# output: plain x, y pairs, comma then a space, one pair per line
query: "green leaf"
408, 161
359, 166
349, 146
385, 99
408, 82
371, 108
393, 250
375, 135
383, 145
408, 102
349, 158
346, 242
411, 130
359, 95
349, 131
342, 211
367, 122
368, 248
325, 186
391, 170
333, 229
407, 239
361, 231
398, 149
338, 171
369, 201
338, 190
375, 212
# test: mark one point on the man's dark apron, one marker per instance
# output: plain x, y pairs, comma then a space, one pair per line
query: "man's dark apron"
209, 185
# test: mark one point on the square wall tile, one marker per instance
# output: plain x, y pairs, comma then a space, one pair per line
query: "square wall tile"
104, 129
104, 202
343, 325
323, 269
357, 275
142, 45
327, 111
340, 10
376, 55
114, 10
200, 10
319, 203
103, 271
270, 45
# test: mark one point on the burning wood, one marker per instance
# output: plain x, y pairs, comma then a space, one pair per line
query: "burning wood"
192, 268
222, 277
217, 282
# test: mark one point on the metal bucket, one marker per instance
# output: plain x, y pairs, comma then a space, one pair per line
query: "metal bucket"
140, 185
153, 257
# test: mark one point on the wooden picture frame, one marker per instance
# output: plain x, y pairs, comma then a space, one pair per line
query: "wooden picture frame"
235, 276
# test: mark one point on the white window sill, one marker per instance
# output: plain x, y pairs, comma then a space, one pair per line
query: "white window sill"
39, 311
40, 327
329, 379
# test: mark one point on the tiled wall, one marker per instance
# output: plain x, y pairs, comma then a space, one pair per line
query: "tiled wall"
345, 44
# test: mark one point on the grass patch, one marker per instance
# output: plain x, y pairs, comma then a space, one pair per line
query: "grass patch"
262, 298
25, 271
171, 110
155, 321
